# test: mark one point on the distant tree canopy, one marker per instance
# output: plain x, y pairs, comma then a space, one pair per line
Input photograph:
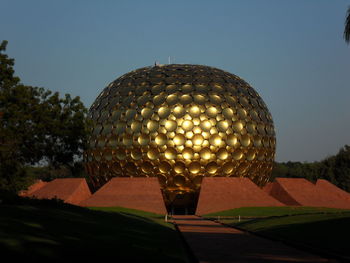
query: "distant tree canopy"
36, 126
335, 169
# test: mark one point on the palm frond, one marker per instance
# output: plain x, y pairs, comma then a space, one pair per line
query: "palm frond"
347, 27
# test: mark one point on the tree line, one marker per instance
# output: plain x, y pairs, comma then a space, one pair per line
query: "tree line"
335, 169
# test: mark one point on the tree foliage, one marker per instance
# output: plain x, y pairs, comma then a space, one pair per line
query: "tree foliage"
36, 126
335, 169
347, 27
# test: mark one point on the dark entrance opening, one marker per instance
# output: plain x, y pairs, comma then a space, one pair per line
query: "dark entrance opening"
182, 203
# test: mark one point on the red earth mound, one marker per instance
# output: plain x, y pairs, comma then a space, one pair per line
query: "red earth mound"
223, 193
136, 193
267, 188
217, 193
301, 192
338, 196
70, 190
31, 189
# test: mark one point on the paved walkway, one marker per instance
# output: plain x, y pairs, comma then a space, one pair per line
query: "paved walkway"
213, 242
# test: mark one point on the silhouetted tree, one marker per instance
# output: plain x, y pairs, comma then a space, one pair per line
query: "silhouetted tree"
36, 125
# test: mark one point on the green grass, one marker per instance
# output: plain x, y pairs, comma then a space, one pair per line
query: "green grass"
328, 231
67, 233
128, 211
275, 211
158, 218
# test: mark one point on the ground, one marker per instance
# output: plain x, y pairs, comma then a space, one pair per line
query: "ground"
44, 230
323, 229
68, 233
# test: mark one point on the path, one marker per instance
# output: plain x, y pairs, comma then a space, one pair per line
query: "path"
213, 242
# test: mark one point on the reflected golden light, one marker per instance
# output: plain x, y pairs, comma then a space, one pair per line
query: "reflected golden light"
180, 123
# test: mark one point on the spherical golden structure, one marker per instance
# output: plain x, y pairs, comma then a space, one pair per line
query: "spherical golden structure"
180, 123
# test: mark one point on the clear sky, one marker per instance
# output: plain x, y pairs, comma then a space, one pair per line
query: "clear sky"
291, 52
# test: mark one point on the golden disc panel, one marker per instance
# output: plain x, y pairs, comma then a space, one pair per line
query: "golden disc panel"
180, 123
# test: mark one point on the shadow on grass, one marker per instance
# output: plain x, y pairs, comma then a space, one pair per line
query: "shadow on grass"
323, 232
68, 233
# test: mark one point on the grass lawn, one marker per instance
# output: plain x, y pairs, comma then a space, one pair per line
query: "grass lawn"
275, 211
133, 212
69, 233
325, 229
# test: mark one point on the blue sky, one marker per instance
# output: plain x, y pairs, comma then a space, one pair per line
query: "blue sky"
291, 52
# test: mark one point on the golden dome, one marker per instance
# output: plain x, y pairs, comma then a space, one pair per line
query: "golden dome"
180, 123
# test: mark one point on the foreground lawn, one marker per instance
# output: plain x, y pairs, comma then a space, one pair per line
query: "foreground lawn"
274, 211
133, 212
69, 233
327, 232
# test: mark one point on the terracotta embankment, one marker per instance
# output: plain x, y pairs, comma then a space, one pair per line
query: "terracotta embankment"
223, 193
70, 190
136, 193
